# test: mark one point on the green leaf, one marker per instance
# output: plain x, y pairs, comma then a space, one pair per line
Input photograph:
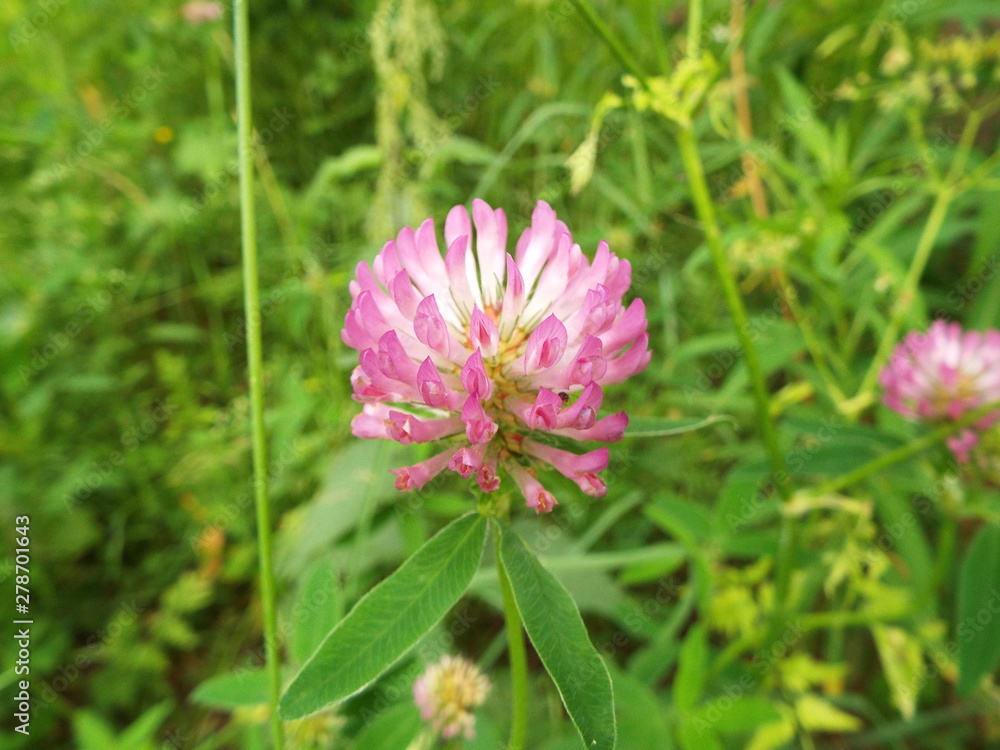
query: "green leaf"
739, 715
685, 520
358, 476
642, 723
142, 731
773, 735
644, 427
804, 123
691, 670
389, 619
93, 732
318, 609
817, 714
393, 729
556, 630
241, 689
903, 664
978, 625
694, 736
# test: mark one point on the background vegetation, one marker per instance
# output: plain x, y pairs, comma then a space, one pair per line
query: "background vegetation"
124, 425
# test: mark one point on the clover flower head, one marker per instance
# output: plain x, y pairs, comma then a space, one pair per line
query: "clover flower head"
942, 374
447, 692
492, 352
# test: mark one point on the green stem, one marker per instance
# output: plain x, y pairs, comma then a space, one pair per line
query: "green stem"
737, 311
946, 193
617, 48
906, 451
904, 301
251, 299
788, 532
694, 22
518, 663
813, 344
787, 543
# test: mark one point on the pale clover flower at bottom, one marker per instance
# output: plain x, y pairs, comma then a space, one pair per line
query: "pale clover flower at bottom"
446, 694
492, 353
940, 375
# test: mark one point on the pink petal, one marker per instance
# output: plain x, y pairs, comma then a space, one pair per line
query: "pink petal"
582, 469
546, 345
479, 426
537, 243
369, 425
430, 327
406, 428
483, 333
582, 413
535, 495
433, 390
466, 461
460, 268
543, 414
609, 429
552, 281
415, 477
404, 294
588, 365
393, 359
474, 378
457, 225
626, 329
632, 362
487, 477
491, 241
513, 298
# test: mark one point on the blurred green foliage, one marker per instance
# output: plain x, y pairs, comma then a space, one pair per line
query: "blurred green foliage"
123, 420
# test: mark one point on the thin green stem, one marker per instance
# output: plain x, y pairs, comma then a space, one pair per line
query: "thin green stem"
617, 48
518, 663
788, 533
946, 193
906, 451
737, 311
904, 301
919, 136
251, 298
694, 22
787, 542
813, 344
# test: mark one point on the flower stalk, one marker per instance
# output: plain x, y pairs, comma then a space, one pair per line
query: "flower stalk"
946, 193
909, 450
518, 663
737, 310
251, 299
